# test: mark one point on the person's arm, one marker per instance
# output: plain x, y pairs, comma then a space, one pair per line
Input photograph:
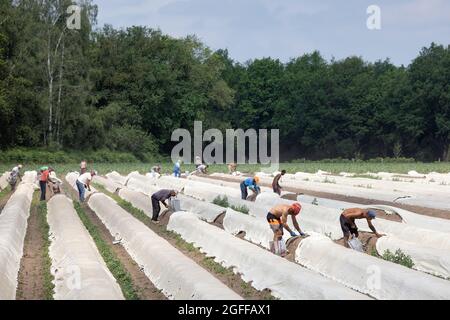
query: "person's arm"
294, 221
285, 224
371, 226
88, 184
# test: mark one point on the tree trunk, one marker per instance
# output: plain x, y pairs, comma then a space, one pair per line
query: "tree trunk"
50, 88
446, 152
59, 111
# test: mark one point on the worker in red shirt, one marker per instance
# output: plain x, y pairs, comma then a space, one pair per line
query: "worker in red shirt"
43, 180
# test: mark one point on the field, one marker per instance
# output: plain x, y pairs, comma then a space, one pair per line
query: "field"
309, 167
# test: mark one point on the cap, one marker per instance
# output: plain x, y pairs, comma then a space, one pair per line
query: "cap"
372, 214
256, 178
296, 207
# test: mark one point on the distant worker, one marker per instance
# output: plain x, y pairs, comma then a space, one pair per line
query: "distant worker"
83, 167
84, 182
198, 162
278, 218
276, 182
54, 183
160, 196
232, 168
14, 176
44, 173
155, 171
252, 184
201, 169
177, 169
348, 226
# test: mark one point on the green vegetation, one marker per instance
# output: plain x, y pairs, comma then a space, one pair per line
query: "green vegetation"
398, 257
223, 202
113, 263
243, 209
44, 228
88, 94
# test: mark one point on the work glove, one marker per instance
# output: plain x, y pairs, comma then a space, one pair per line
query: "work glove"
293, 234
302, 234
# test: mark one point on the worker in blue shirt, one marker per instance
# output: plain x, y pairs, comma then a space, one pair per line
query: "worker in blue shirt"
252, 184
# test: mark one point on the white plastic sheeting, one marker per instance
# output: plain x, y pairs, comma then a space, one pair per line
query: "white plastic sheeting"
140, 185
378, 278
408, 217
172, 183
257, 230
71, 179
171, 271
30, 177
3, 180
13, 226
426, 259
285, 279
204, 210
208, 192
138, 200
117, 178
428, 249
408, 193
79, 270
109, 185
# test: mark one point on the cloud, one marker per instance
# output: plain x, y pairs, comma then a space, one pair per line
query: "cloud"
288, 28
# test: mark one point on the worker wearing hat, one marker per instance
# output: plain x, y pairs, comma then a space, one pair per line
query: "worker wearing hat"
252, 184
278, 217
348, 226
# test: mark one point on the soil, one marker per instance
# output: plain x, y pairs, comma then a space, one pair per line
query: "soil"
438, 213
31, 272
144, 287
291, 246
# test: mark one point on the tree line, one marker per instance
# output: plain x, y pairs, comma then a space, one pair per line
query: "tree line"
126, 90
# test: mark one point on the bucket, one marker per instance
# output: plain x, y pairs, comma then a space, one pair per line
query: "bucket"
278, 247
175, 205
355, 244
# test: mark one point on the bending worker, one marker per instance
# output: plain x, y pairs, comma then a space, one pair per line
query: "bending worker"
252, 184
278, 217
84, 182
160, 196
348, 226
276, 182
14, 176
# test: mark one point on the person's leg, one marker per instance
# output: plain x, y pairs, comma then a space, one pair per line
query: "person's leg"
81, 190
43, 186
243, 191
345, 230
156, 208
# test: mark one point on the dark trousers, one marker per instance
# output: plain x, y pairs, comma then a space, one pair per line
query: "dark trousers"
43, 185
156, 208
244, 193
277, 189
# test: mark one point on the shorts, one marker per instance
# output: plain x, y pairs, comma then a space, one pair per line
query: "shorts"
347, 226
275, 223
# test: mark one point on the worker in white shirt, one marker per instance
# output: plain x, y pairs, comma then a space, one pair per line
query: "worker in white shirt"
84, 182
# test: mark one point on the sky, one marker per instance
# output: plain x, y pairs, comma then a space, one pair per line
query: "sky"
285, 29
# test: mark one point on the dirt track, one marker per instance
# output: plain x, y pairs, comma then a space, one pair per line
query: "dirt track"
31, 273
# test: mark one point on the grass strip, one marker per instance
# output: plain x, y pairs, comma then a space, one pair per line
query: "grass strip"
44, 228
112, 262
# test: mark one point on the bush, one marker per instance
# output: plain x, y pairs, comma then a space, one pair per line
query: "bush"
221, 201
398, 257
242, 209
